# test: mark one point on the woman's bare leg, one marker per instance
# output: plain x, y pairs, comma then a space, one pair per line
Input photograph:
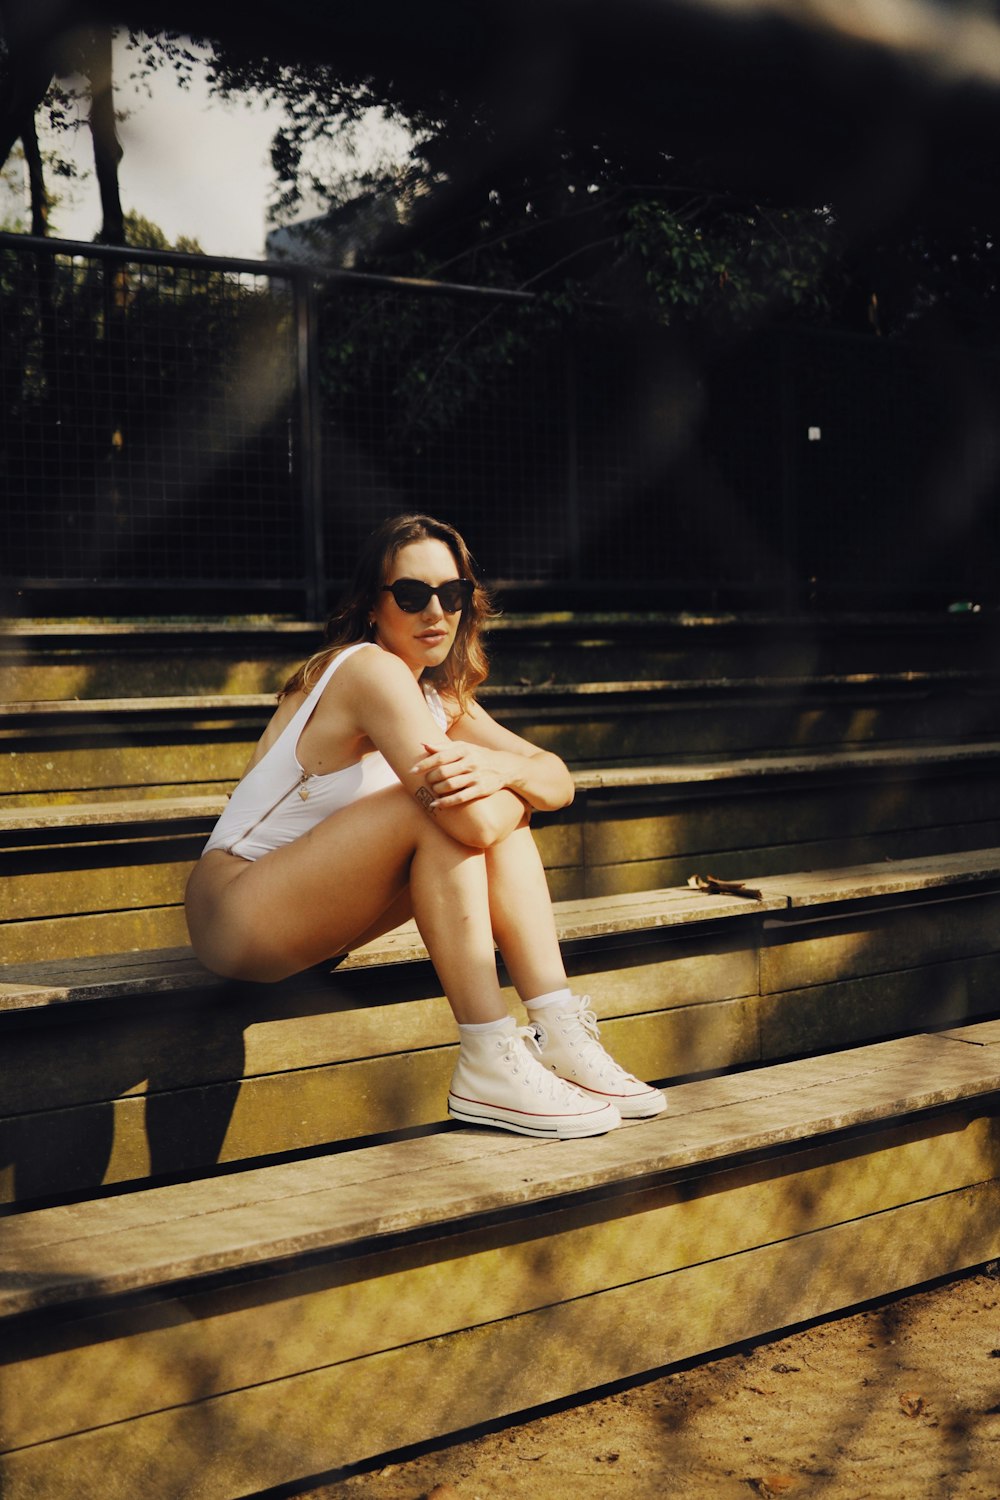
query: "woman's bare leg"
450, 900
521, 914
525, 930
395, 914
312, 898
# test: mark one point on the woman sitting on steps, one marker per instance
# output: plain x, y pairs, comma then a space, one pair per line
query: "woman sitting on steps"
381, 790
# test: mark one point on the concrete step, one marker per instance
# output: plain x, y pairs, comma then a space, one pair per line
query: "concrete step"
141, 1066
150, 658
194, 744
88, 878
146, 658
212, 1339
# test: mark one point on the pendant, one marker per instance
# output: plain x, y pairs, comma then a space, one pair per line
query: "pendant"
304, 791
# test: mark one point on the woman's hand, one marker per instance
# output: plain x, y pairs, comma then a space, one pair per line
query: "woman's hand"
461, 773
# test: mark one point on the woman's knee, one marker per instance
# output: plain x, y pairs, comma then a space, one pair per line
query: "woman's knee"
517, 843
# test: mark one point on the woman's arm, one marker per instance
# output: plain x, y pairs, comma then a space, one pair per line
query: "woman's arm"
482, 757
391, 711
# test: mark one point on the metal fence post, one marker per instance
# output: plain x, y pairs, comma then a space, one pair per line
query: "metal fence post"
788, 472
310, 447
573, 518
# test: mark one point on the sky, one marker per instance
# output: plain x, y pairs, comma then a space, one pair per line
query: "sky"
195, 165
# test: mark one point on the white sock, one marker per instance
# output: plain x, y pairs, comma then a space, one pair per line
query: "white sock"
483, 1028
553, 997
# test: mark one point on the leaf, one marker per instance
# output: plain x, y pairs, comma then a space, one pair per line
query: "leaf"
714, 886
911, 1403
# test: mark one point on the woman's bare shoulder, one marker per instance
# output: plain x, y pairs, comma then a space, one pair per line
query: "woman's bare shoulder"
371, 684
375, 666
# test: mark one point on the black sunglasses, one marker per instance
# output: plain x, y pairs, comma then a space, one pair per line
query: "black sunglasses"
412, 595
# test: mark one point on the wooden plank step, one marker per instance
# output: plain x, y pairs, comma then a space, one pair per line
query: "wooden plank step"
166, 970
109, 976
95, 817
231, 1336
745, 643
88, 659
878, 881
142, 1067
90, 878
101, 659
669, 775
191, 705
827, 763
140, 1241
93, 749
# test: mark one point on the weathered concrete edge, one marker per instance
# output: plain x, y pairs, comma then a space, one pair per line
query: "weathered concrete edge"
195, 704
26, 987
517, 1179
666, 779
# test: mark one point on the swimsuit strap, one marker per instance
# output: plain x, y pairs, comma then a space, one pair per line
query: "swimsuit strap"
276, 774
304, 712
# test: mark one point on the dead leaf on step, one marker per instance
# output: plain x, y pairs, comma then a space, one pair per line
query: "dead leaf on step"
911, 1403
713, 886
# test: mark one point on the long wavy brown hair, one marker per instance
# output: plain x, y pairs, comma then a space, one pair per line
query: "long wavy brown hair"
465, 667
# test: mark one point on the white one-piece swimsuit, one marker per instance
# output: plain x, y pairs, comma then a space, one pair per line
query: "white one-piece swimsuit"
277, 801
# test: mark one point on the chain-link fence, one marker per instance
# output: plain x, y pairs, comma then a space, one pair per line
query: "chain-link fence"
190, 433
146, 424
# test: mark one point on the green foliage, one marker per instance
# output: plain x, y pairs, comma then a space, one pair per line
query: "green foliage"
140, 231
586, 213
575, 217
15, 212
419, 363
12, 195
132, 387
734, 267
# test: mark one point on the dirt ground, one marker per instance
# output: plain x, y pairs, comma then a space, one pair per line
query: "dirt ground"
900, 1401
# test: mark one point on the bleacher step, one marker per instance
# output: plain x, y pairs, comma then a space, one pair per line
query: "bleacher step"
133, 975
97, 659
289, 1321
142, 746
142, 1066
89, 877
175, 970
673, 775
266, 1255
269, 1214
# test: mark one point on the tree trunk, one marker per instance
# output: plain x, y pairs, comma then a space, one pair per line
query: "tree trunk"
36, 179
22, 88
107, 147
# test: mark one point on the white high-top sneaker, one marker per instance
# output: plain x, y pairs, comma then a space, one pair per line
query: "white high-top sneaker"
499, 1080
571, 1046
